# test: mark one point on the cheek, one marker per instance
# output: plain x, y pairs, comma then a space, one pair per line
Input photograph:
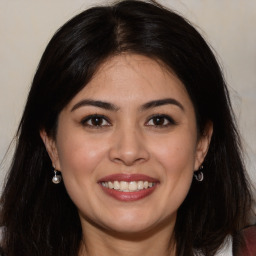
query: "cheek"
176, 153
80, 159
79, 156
178, 165
176, 159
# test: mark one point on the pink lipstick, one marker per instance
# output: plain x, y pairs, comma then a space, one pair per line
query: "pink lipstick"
128, 187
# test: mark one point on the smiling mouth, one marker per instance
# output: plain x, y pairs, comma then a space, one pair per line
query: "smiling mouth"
125, 186
128, 187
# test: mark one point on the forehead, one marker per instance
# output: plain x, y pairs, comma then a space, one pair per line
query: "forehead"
133, 77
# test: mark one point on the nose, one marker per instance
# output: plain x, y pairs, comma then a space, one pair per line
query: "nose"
128, 147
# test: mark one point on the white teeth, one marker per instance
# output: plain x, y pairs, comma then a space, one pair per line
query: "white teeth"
116, 185
110, 185
140, 185
125, 186
145, 184
133, 186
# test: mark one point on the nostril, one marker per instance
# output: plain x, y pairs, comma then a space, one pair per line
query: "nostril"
129, 160
128, 147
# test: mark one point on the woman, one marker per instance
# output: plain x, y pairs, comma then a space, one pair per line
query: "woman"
127, 144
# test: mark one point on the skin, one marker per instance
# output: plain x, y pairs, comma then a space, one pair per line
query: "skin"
128, 140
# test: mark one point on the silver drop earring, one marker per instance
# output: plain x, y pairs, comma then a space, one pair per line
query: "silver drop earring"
199, 175
56, 178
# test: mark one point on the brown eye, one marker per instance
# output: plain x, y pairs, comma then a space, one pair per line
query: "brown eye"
160, 121
95, 121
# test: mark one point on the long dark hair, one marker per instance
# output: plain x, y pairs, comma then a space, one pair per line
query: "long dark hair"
38, 217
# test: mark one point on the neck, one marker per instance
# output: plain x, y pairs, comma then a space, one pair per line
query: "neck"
156, 241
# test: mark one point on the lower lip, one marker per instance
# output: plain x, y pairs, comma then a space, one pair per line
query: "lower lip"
129, 196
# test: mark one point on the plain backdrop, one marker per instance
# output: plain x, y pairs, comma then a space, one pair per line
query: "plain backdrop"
26, 26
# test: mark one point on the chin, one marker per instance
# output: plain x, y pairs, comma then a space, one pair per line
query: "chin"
132, 231
140, 225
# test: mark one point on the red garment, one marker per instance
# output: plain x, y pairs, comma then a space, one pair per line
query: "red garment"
249, 246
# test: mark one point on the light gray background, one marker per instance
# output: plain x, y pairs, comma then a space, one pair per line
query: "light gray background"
26, 26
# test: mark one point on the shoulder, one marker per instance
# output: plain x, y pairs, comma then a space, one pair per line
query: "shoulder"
1, 237
246, 244
227, 248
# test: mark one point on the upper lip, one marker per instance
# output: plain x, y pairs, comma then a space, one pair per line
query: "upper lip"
128, 177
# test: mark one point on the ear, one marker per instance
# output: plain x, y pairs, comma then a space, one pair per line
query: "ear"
51, 148
203, 145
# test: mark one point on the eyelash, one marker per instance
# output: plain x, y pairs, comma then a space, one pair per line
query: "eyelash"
102, 118
168, 121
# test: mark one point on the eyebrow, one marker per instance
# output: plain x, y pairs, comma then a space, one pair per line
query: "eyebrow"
112, 107
95, 103
161, 102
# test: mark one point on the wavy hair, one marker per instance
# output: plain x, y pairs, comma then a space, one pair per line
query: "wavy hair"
38, 217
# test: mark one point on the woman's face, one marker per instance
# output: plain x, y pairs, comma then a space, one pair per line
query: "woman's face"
127, 146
